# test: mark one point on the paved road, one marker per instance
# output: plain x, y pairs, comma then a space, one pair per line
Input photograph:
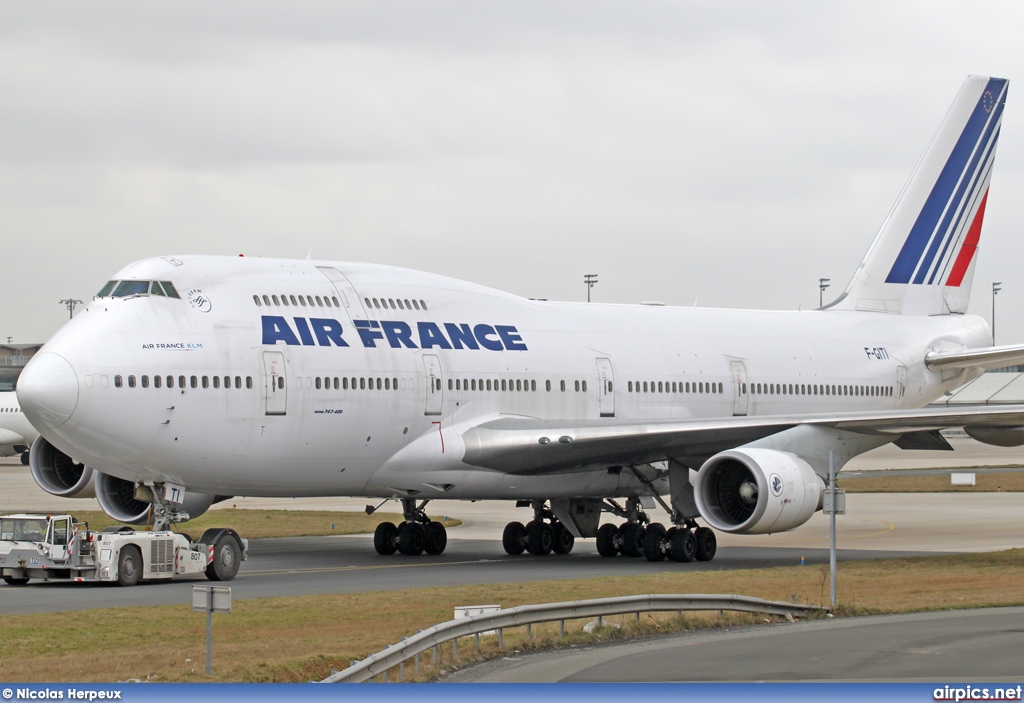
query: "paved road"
308, 565
959, 646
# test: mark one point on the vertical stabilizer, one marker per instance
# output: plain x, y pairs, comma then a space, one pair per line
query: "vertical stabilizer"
922, 260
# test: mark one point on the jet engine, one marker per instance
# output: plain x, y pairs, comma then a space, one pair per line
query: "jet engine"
756, 491
58, 474
116, 497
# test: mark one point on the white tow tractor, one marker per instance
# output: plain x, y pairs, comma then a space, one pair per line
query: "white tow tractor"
60, 548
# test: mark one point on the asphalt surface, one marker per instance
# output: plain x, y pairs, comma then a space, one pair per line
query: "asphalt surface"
315, 565
953, 646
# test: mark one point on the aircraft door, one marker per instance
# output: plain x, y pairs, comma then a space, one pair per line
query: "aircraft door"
739, 387
606, 387
432, 384
901, 385
274, 386
347, 292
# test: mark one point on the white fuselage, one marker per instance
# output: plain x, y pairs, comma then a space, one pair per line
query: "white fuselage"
425, 355
15, 429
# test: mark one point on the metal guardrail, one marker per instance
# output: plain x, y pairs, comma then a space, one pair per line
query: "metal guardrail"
526, 615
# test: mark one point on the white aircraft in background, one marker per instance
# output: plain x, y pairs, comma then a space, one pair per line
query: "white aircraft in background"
193, 378
16, 433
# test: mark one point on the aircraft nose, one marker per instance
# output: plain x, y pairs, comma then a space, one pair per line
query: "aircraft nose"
48, 390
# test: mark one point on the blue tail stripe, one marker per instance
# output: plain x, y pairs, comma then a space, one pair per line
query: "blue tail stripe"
920, 234
968, 206
954, 208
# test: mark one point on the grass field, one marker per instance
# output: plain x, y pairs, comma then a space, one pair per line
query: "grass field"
984, 483
305, 638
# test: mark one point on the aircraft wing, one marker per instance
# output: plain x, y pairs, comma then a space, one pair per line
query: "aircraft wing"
528, 446
983, 358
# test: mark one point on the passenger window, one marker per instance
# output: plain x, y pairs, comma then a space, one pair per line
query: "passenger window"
216, 381
318, 383
145, 381
276, 302
407, 305
416, 305
157, 381
376, 303
319, 302
368, 304
400, 306
547, 385
248, 382
280, 382
519, 385
131, 381
533, 385
378, 384
266, 301
117, 381
256, 299
423, 304
181, 381
284, 299
238, 382
562, 384
336, 303
206, 382
193, 381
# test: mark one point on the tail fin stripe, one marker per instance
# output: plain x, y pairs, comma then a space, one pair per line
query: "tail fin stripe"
963, 260
979, 183
979, 127
965, 192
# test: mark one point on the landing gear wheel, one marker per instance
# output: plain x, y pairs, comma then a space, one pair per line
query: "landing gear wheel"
16, 580
606, 535
411, 539
564, 540
539, 538
227, 557
24, 458
513, 539
707, 544
681, 545
436, 538
385, 539
632, 534
654, 538
129, 566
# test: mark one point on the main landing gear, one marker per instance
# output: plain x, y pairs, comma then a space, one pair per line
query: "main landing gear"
418, 534
542, 535
638, 536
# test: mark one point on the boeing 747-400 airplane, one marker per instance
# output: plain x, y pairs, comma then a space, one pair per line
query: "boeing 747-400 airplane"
192, 378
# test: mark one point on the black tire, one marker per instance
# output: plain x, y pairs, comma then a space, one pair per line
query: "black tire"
513, 539
654, 538
540, 538
129, 566
606, 535
16, 580
682, 546
412, 539
385, 539
707, 544
564, 540
436, 538
24, 458
227, 557
632, 535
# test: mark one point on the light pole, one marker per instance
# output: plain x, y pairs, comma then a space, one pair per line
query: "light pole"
590, 279
70, 304
995, 289
822, 285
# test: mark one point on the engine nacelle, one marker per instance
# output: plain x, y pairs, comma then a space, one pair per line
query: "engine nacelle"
58, 474
756, 491
997, 436
116, 497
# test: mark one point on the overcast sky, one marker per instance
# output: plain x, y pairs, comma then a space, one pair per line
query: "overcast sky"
725, 152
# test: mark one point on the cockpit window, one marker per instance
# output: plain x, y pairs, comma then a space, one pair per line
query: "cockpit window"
105, 290
169, 289
155, 289
126, 288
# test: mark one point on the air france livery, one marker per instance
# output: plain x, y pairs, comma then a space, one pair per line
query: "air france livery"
192, 378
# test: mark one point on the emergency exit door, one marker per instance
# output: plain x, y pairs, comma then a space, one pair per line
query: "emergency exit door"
606, 387
274, 385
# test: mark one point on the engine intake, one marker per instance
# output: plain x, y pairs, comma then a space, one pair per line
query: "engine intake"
756, 491
116, 497
58, 474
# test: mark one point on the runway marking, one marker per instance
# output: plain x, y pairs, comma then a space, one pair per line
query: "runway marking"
327, 569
